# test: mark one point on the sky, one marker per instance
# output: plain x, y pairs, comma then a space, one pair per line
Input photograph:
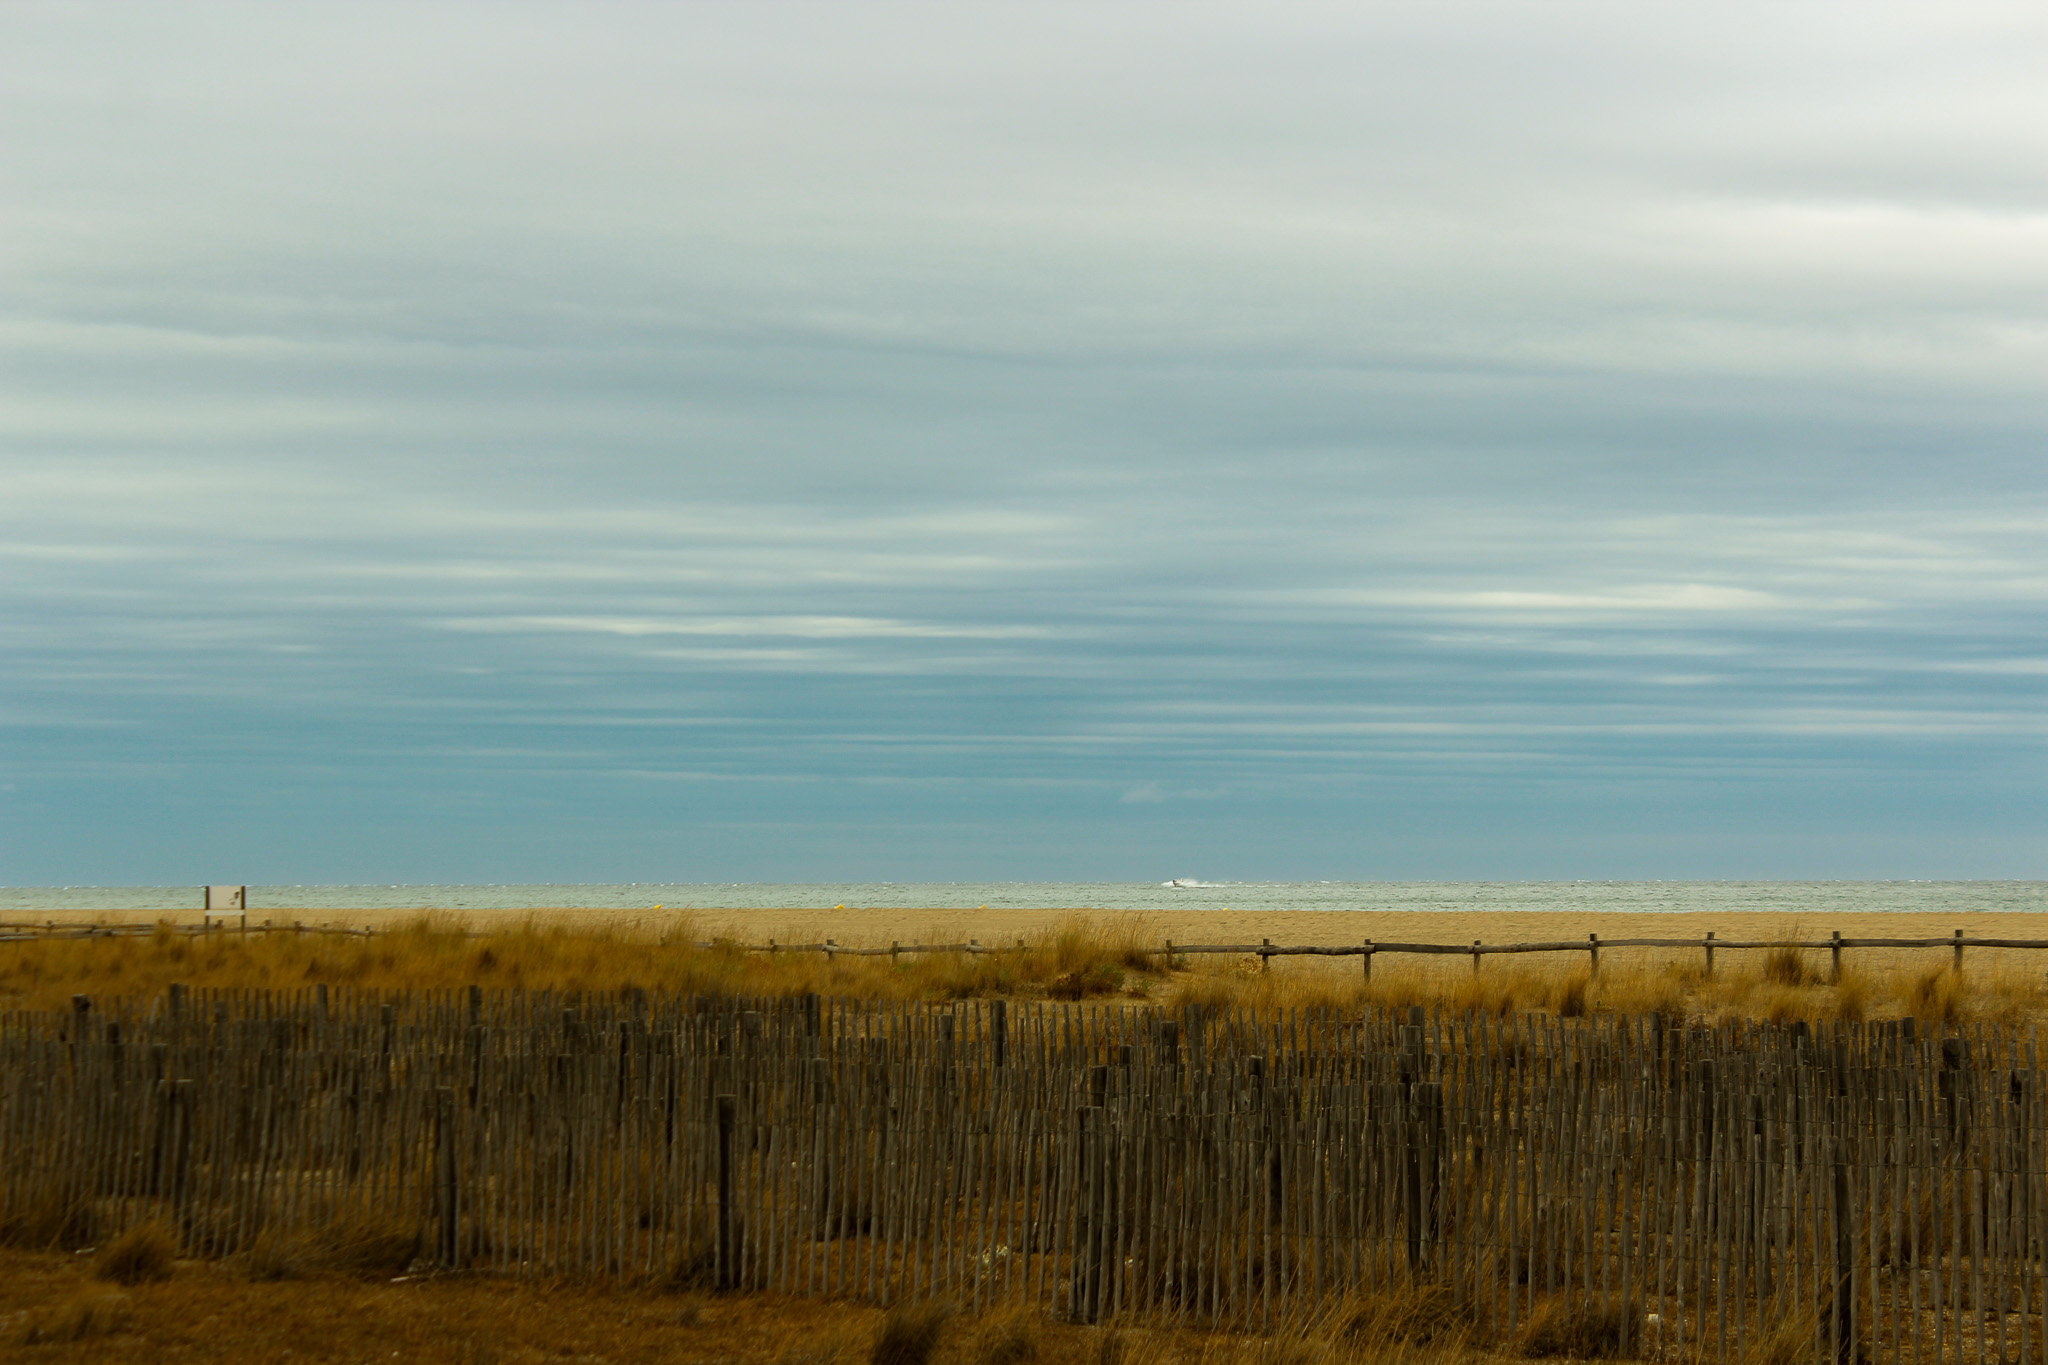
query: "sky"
784, 442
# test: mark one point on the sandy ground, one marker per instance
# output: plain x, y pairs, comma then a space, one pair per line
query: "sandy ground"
877, 928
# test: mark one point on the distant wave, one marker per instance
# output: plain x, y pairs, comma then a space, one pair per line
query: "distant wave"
1815, 900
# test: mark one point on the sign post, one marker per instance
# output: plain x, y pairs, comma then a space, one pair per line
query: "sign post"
223, 901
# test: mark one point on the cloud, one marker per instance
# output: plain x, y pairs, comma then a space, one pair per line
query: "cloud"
799, 627
1644, 598
1552, 421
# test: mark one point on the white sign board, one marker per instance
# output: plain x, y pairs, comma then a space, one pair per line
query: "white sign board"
226, 900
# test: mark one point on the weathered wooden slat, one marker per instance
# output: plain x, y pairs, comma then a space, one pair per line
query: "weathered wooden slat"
1108, 1163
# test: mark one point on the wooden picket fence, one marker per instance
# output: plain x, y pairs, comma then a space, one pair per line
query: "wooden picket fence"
1879, 1191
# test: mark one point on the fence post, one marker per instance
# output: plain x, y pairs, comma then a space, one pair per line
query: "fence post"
999, 1031
1710, 952
1265, 954
1198, 1037
1959, 952
830, 1225
725, 1264
1705, 1090
1167, 1045
181, 1142
1952, 1089
1412, 1124
446, 1207
1593, 950
1086, 1288
1835, 958
1842, 1310
1367, 956
1475, 957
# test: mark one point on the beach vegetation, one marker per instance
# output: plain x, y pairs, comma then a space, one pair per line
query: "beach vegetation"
231, 1310
1086, 958
143, 1254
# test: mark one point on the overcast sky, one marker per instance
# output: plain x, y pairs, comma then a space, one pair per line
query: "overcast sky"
872, 441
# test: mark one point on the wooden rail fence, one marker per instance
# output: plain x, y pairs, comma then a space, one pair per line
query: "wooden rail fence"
1266, 949
1877, 1190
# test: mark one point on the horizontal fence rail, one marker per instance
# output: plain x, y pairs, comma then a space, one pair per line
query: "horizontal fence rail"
1858, 1192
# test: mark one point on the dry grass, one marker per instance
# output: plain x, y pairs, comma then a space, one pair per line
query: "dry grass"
1407, 1316
50, 1220
1789, 1341
1788, 967
1577, 1328
368, 1250
142, 1255
909, 1335
213, 1313
1077, 958
1008, 1339
83, 1317
217, 1312
1778, 991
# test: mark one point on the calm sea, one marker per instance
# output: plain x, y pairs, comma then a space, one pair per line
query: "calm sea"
1816, 898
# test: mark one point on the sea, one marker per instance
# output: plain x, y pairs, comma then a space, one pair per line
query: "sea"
1817, 898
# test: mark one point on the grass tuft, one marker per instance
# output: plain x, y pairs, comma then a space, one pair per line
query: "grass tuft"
142, 1255
1852, 997
1788, 967
1937, 996
909, 1335
370, 1249
81, 1318
48, 1221
1101, 978
1404, 1315
1579, 1329
1570, 1000
364, 1250
1791, 1341
1010, 1339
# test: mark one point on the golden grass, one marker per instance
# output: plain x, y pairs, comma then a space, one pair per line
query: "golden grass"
1079, 958
1076, 958
46, 1220
215, 1312
82, 1317
142, 1255
1760, 990
366, 1250
909, 1335
1578, 1327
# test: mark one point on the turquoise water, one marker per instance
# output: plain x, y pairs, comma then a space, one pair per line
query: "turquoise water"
1817, 898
